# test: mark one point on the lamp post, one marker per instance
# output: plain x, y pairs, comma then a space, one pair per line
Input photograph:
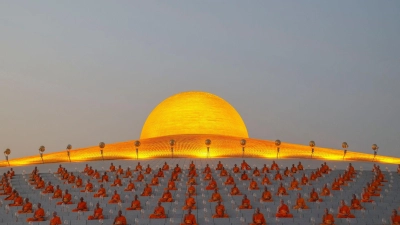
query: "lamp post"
6, 153
375, 148
208, 143
101, 146
277, 144
312, 145
344, 146
243, 144
69, 147
172, 143
41, 150
137, 145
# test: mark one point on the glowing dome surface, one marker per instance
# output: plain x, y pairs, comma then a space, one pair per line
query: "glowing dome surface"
194, 113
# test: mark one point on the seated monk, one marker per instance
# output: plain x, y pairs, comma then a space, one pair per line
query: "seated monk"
265, 169
347, 176
281, 190
245, 203
17, 200
244, 176
192, 166
140, 177
323, 169
300, 166
192, 190
148, 169
266, 196
371, 190
57, 192
190, 203
81, 206
274, 166
258, 218
171, 185
65, 175
159, 212
116, 198
219, 166
283, 211
177, 169
78, 182
326, 168
293, 169
212, 185
314, 196
207, 169
327, 219
160, 173
154, 180
366, 196
313, 176
138, 167
220, 211
88, 187
300, 203
355, 203
40, 184
230, 180
245, 166
130, 187
120, 171
166, 197
304, 180
381, 177
208, 176
96, 175
120, 219
235, 190
27, 208
55, 220
318, 173
351, 169
395, 219
112, 168
60, 169
265, 180
335, 185
7, 190
128, 173
344, 211
38, 215
341, 181
191, 181
223, 172
189, 219
278, 176
66, 199
101, 192
253, 185
147, 191
236, 169
117, 182
215, 197
104, 178
175, 176
11, 196
135, 205
90, 171
71, 178
97, 213
256, 172
165, 166
287, 172
294, 185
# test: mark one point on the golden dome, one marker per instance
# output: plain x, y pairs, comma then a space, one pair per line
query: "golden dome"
194, 113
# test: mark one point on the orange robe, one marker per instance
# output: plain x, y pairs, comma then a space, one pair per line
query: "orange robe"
160, 174
230, 180
244, 177
135, 205
55, 221
253, 185
245, 204
219, 212
104, 178
112, 168
304, 180
265, 170
212, 185
294, 185
345, 210
355, 204
328, 219
40, 185
154, 181
97, 214
189, 219
245, 166
314, 197
165, 167
159, 213
17, 201
138, 168
78, 182
71, 179
117, 182
265, 181
282, 191
88, 187
130, 187
115, 199
235, 191
266, 196
215, 197
120, 171
140, 177
37, 216
166, 197
66, 199
121, 220
57, 194
7, 191
256, 173
128, 174
100, 193
236, 170
395, 220
148, 170
190, 203
366, 197
283, 212
147, 191
278, 177
336, 186
274, 167
300, 167
80, 207
27, 208
171, 185
300, 204
192, 190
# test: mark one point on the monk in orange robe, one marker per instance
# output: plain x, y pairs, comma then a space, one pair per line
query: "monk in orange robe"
355, 203
27, 207
274, 166
212, 185
236, 169
140, 177
7, 190
300, 166
208, 176
60, 169
120, 171
294, 185
192, 166
189, 219
244, 176
78, 182
160, 173
101, 192
57, 192
177, 169
171, 185
40, 184
215, 197
81, 206
138, 167
130, 187
281, 190
120, 219
300, 203
166, 197
366, 196
148, 169
258, 218
90, 171
230, 180
66, 199
283, 211
116, 198
256, 172
190, 203
159, 212
220, 211
223, 172
165, 166
97, 213
38, 215
88, 187
192, 190
207, 169
314, 196
335, 185
235, 190
253, 185
265, 169
191, 181
65, 175
313, 176
278, 176
245, 203
219, 166
154, 180
128, 173
104, 178
117, 182
112, 168
327, 219
395, 219
17, 200
318, 173
287, 172
95, 175
147, 191
266, 196
344, 211
341, 181
371, 190
71, 178
135, 204
293, 169
55, 220
265, 180
86, 169
11, 196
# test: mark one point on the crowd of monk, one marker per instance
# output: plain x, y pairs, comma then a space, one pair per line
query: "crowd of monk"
371, 189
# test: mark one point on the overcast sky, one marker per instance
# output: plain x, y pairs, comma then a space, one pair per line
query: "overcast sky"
81, 72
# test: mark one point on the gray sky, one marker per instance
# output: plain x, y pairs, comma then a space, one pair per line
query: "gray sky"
81, 72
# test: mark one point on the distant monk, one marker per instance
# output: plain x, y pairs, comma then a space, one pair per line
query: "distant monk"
219, 166
274, 166
245, 166
40, 184
314, 196
160, 173
344, 211
266, 196
138, 167
120, 171
212, 185
265, 169
366, 196
223, 172
300, 167
165, 166
215, 197
166, 197
355, 203
130, 187
66, 199
245, 203
300, 203
191, 190
55, 220
119, 219
135, 204
159, 212
78, 182
220, 211
253, 185
335, 185
27, 208
191, 181
7, 190
97, 213
313, 176
208, 176
57, 192
327, 219
281, 190
278, 176
148, 169
17, 200
101, 192
244, 176
395, 218
116, 198
304, 180
258, 218
38, 215
190, 203
177, 169
293, 169
283, 211
256, 172
235, 190
140, 177
265, 180
49, 189
287, 172
128, 173
171, 185
236, 169
207, 169
104, 178
230, 180
112, 168
147, 191
95, 175
189, 219
81, 206
294, 185
117, 182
